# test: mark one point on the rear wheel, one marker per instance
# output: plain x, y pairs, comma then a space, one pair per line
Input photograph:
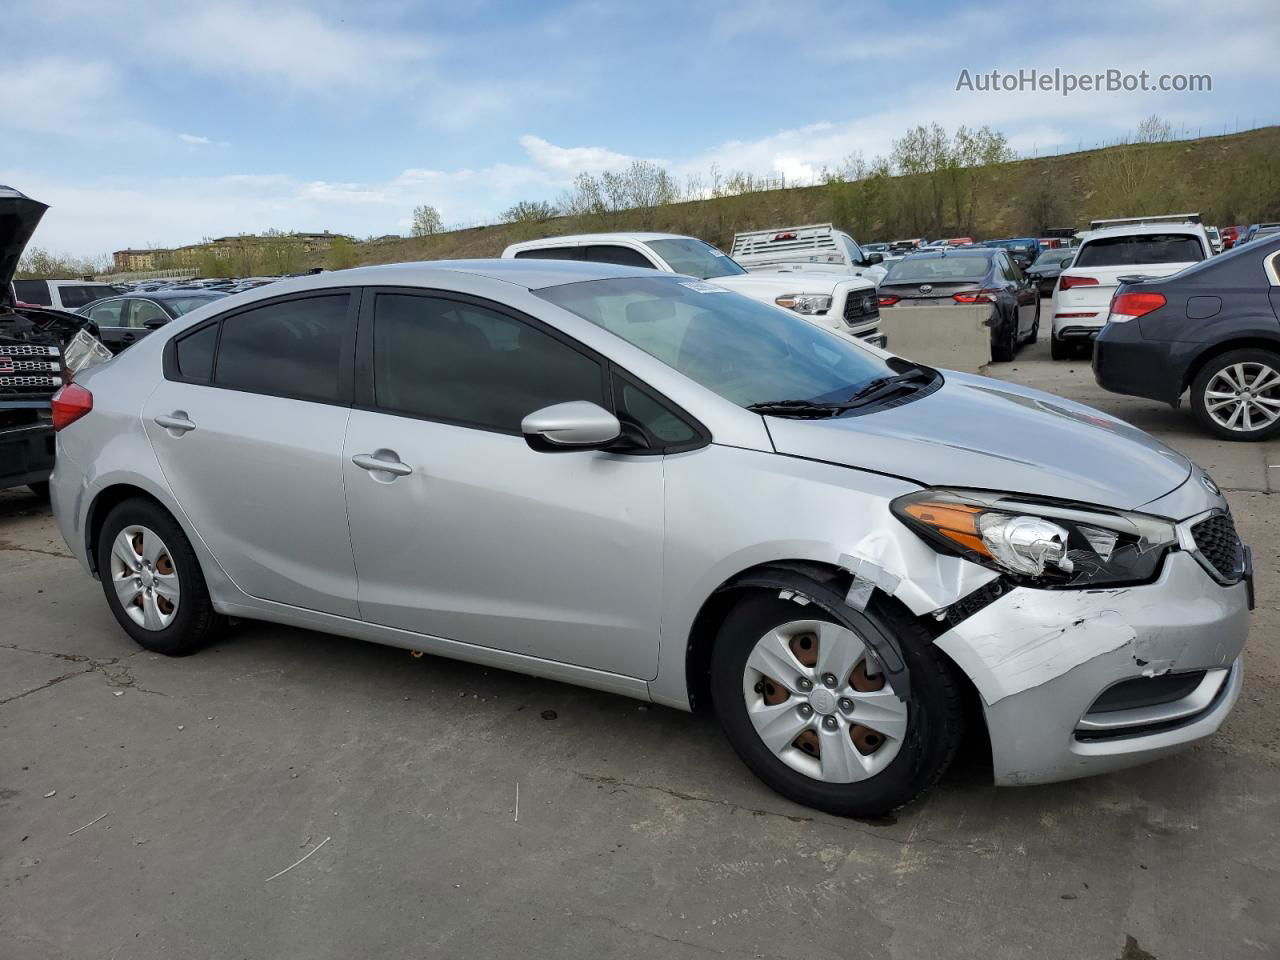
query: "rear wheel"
1060, 349
152, 580
812, 715
40, 489
1237, 395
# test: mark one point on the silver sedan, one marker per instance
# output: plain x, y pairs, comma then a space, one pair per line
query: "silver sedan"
650, 485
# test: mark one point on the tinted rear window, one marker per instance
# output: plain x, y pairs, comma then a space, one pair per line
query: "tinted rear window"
549, 253
32, 291
195, 354
78, 296
290, 349
1142, 248
930, 269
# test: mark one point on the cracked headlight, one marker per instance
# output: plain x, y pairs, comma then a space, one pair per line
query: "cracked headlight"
1040, 543
806, 303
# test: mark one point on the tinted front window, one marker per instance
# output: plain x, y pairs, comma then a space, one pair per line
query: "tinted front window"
621, 256
138, 312
78, 296
32, 291
195, 354
663, 424
746, 351
932, 269
461, 363
292, 349
1052, 258
695, 258
1140, 248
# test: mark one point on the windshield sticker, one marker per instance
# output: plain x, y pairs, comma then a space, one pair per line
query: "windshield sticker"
701, 286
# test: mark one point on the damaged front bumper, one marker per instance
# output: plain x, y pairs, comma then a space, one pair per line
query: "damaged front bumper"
1061, 672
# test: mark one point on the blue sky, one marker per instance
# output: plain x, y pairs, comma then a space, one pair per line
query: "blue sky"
158, 123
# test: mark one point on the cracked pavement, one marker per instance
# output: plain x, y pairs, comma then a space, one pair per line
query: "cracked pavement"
639, 832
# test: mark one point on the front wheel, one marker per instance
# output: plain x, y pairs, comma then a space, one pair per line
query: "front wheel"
811, 714
1004, 342
152, 579
1237, 395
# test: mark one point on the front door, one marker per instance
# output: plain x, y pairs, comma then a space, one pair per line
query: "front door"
250, 441
469, 534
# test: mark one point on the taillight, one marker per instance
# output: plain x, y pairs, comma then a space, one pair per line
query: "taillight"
976, 296
1066, 282
1130, 306
70, 403
888, 300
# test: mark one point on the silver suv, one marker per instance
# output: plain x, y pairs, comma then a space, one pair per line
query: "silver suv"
651, 485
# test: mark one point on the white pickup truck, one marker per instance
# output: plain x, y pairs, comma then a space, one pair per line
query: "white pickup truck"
1111, 249
818, 247
842, 303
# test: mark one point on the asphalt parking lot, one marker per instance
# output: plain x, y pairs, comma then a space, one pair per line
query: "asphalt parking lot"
145, 802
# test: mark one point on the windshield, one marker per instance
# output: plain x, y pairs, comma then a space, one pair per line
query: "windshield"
1141, 248
927, 269
181, 305
746, 351
695, 258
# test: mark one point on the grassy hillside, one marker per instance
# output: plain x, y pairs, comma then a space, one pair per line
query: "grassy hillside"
1231, 179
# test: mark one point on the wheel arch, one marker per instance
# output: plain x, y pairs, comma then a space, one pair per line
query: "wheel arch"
1250, 341
102, 504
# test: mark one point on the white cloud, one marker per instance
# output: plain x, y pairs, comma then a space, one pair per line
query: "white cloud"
571, 160
191, 138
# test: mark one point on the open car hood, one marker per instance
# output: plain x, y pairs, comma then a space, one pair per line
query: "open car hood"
991, 435
19, 216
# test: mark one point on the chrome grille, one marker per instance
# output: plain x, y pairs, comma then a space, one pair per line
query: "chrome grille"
27, 350
30, 381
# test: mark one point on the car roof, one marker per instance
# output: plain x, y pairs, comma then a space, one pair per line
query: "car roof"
1140, 229
598, 238
531, 274
946, 252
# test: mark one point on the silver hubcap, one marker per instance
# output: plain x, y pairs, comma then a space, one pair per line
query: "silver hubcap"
1244, 396
815, 701
144, 577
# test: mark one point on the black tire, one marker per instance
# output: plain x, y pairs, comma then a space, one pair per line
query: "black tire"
935, 712
194, 622
1060, 349
1004, 342
1199, 402
40, 489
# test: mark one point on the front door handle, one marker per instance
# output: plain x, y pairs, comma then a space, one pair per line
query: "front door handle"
382, 461
176, 421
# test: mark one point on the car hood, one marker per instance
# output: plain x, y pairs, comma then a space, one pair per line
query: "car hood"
987, 434
19, 216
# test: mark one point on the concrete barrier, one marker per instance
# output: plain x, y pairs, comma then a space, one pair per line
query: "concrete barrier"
955, 337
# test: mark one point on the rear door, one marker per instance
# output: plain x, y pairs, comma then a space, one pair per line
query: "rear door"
472, 536
248, 425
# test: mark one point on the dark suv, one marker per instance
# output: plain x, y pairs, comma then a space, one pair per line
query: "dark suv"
1213, 329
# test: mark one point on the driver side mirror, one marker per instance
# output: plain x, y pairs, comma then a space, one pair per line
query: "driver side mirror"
874, 258
565, 427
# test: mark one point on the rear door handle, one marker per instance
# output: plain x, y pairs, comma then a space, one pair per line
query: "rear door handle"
176, 421
382, 461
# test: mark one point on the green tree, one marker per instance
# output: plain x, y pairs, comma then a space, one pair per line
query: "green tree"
342, 254
529, 211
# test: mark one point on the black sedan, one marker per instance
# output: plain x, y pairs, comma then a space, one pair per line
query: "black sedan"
125, 320
1212, 330
969, 276
1044, 272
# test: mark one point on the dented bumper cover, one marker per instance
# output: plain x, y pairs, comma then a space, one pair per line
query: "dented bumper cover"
1040, 658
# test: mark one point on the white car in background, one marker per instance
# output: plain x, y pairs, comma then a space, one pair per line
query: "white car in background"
817, 247
842, 303
1111, 249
